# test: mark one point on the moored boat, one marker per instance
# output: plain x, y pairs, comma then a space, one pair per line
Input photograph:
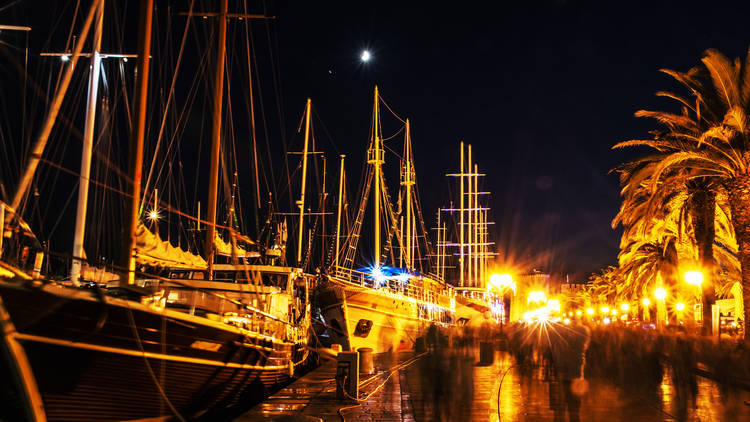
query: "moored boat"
381, 307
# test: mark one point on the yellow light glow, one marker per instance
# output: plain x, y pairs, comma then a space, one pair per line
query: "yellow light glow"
614, 311
606, 320
566, 321
537, 296
660, 293
625, 307
153, 215
605, 309
553, 305
680, 307
500, 282
646, 302
590, 311
578, 312
694, 277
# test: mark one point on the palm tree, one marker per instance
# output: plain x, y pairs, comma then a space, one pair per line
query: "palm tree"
718, 152
602, 287
690, 200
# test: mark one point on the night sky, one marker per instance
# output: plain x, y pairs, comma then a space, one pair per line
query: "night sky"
541, 89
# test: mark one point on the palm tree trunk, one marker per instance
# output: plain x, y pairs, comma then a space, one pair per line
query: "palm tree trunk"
738, 190
703, 214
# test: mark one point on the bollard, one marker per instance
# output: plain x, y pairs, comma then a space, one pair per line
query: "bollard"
366, 361
419, 345
347, 376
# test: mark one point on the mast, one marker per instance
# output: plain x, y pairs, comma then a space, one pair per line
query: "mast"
323, 197
338, 213
439, 241
301, 201
461, 218
136, 138
216, 139
470, 225
88, 146
36, 152
476, 228
407, 180
376, 158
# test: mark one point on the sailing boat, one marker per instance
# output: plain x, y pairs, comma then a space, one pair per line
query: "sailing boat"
476, 302
202, 341
385, 308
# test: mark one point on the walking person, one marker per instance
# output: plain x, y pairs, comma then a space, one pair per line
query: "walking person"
568, 345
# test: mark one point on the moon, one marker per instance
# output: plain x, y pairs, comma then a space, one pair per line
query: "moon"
366, 56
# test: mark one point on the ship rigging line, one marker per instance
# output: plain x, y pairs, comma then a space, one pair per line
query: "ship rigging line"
170, 95
148, 365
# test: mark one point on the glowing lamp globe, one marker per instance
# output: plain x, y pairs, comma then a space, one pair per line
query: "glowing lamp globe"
660, 293
694, 277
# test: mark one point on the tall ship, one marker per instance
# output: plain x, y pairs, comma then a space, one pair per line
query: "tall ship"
478, 293
164, 333
388, 301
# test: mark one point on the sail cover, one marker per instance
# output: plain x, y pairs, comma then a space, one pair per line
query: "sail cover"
152, 250
225, 249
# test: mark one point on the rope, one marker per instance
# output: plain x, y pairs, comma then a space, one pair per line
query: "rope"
390, 372
389, 109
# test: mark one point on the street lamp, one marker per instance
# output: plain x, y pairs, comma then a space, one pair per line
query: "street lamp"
625, 307
500, 282
646, 313
694, 277
661, 307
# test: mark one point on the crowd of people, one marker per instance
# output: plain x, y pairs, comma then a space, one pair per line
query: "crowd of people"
565, 356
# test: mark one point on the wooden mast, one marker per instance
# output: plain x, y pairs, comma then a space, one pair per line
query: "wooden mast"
461, 220
338, 213
216, 139
407, 180
470, 224
476, 228
88, 146
375, 157
136, 138
301, 202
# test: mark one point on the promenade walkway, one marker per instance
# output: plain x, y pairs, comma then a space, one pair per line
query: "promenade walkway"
452, 387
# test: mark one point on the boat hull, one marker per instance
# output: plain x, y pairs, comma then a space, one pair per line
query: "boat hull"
94, 357
471, 312
364, 317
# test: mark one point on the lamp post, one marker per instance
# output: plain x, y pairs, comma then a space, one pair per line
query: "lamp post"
696, 279
661, 308
500, 283
646, 314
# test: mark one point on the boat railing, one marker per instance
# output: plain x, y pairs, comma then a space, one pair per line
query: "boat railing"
388, 284
216, 306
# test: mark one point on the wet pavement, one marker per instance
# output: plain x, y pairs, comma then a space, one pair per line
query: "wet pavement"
451, 386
